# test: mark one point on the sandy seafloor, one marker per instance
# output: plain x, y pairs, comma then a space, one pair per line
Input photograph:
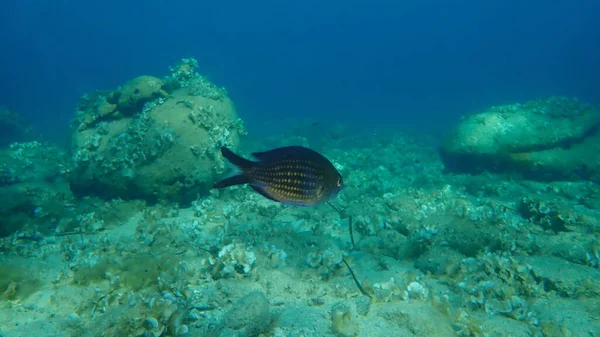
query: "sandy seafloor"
440, 254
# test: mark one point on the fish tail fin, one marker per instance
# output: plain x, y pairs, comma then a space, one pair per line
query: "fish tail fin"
242, 163
231, 181
236, 160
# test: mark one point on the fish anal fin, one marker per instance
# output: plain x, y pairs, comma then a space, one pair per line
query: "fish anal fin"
262, 192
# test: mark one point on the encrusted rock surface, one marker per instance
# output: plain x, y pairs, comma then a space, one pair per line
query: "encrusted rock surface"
546, 139
151, 145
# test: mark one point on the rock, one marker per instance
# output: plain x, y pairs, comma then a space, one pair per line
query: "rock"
363, 305
341, 320
580, 160
468, 237
571, 246
12, 128
33, 190
499, 326
134, 94
168, 150
550, 139
568, 317
437, 260
305, 321
566, 278
249, 316
419, 318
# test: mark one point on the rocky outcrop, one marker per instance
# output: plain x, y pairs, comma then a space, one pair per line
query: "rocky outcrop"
547, 139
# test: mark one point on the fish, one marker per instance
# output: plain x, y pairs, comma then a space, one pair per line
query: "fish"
292, 175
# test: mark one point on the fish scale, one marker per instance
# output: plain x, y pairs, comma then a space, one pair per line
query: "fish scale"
292, 175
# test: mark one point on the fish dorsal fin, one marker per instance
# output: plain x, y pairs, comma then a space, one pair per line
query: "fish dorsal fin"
260, 155
294, 151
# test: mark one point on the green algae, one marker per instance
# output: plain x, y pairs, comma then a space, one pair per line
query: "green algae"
134, 272
17, 281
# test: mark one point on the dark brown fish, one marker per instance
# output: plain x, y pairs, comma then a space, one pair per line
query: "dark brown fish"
292, 175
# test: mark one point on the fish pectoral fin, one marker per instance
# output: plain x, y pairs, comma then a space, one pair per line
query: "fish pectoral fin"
232, 181
262, 192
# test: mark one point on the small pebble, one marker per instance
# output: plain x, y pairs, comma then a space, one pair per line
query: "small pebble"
151, 323
182, 330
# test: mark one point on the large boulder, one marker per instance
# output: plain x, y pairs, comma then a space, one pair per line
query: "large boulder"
550, 139
167, 149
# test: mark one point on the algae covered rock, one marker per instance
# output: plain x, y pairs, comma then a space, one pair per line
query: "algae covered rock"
128, 100
33, 187
580, 160
249, 316
419, 318
568, 316
305, 320
135, 93
12, 128
553, 138
167, 149
570, 280
438, 260
94, 108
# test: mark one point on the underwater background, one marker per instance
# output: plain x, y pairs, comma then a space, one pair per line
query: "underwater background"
466, 133
407, 61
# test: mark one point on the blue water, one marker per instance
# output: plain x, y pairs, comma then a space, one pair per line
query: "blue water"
397, 63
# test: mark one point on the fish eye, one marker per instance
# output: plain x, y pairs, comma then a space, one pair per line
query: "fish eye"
339, 182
